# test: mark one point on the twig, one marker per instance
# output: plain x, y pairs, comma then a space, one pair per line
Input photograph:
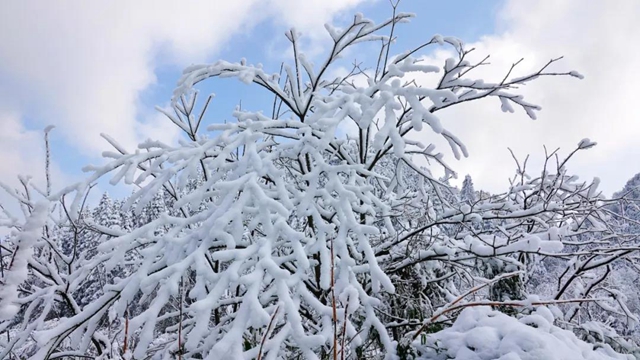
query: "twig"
452, 304
266, 334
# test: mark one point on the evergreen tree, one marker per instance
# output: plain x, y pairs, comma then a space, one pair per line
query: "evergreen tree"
107, 213
467, 193
628, 204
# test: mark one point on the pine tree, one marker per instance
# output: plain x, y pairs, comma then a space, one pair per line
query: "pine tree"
467, 193
628, 204
107, 213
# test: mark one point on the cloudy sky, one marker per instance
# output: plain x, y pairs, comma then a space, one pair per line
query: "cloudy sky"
89, 67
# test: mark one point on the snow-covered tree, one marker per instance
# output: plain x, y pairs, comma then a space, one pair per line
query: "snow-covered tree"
467, 192
107, 213
626, 219
628, 205
287, 238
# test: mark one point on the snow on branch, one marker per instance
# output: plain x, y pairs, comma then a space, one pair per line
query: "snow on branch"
283, 235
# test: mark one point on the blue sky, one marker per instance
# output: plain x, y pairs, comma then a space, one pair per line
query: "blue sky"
259, 44
94, 67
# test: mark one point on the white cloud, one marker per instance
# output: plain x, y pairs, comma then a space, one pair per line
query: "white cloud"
311, 15
595, 40
17, 143
82, 65
86, 62
22, 152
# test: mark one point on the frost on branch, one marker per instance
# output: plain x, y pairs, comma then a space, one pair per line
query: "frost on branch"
17, 271
276, 237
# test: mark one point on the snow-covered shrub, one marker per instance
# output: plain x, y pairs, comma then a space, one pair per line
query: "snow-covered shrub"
480, 333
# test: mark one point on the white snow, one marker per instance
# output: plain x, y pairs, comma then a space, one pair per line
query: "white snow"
480, 333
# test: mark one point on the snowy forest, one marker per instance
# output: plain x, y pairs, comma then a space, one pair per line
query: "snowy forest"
325, 227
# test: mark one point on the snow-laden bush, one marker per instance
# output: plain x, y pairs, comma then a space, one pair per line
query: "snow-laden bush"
480, 333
